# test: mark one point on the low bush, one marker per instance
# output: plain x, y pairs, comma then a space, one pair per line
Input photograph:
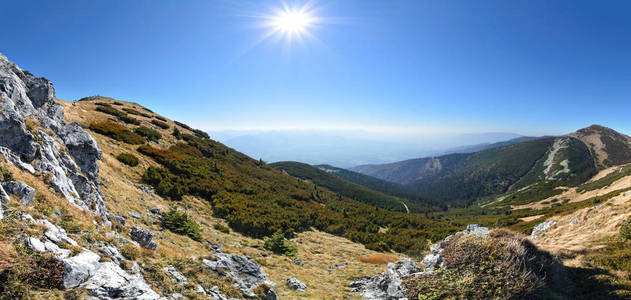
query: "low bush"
108, 109
161, 118
504, 265
130, 251
128, 159
129, 120
180, 223
150, 133
160, 124
625, 230
117, 132
221, 228
136, 112
278, 244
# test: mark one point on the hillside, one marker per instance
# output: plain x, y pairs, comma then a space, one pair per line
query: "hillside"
460, 179
349, 189
373, 183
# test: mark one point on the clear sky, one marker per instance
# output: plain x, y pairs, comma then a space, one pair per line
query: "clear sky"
530, 67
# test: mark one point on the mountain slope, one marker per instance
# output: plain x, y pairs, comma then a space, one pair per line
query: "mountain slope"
380, 185
349, 189
462, 178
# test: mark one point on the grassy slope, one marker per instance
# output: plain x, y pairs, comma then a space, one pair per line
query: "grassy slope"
317, 250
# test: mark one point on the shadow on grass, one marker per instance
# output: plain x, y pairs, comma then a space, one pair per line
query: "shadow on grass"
596, 283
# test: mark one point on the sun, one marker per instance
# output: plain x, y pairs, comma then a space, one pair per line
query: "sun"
291, 21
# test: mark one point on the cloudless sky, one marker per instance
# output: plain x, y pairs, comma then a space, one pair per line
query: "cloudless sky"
531, 67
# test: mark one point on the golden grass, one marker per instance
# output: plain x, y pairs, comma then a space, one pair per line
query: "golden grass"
7, 255
379, 259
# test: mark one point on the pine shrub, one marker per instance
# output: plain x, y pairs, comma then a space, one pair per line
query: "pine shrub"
128, 159
180, 223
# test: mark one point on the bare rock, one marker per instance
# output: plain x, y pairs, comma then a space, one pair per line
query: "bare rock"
143, 237
79, 268
173, 272
246, 273
20, 189
542, 229
295, 284
109, 281
388, 285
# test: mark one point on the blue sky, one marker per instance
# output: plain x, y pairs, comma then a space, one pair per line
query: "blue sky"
530, 67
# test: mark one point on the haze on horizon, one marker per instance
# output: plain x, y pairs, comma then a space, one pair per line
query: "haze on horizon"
395, 70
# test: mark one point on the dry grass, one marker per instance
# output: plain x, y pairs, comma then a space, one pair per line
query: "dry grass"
7, 255
379, 259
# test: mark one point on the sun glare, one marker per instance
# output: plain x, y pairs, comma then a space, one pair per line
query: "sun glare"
292, 21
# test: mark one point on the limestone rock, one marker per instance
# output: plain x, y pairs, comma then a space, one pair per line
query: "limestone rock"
542, 229
173, 272
388, 285
246, 273
295, 284
20, 189
34, 244
143, 237
109, 281
79, 268
34, 137
4, 202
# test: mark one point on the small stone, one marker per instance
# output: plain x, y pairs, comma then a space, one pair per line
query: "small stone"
35, 244
135, 214
295, 284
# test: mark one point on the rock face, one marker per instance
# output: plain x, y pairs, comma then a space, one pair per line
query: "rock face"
109, 281
33, 136
246, 273
143, 237
20, 189
388, 285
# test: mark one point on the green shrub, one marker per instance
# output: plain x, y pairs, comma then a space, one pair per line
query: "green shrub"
160, 124
128, 159
117, 132
180, 223
177, 134
221, 228
136, 112
129, 120
278, 244
161, 118
150, 133
108, 109
625, 230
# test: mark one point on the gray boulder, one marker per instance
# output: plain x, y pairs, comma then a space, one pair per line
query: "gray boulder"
109, 281
173, 272
20, 189
34, 244
79, 268
143, 237
295, 284
246, 273
388, 285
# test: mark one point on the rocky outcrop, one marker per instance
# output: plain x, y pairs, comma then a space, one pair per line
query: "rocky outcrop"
388, 285
143, 237
246, 273
20, 189
109, 281
79, 268
34, 137
541, 229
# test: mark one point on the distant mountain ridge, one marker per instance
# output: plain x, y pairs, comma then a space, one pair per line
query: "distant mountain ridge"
458, 178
